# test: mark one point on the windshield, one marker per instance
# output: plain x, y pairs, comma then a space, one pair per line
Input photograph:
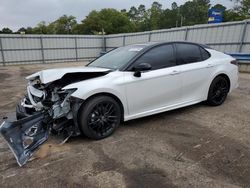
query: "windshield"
117, 58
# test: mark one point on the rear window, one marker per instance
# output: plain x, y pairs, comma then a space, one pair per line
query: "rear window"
205, 55
188, 53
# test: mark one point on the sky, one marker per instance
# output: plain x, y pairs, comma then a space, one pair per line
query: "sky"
23, 13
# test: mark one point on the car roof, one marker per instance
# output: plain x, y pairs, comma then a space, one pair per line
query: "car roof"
151, 44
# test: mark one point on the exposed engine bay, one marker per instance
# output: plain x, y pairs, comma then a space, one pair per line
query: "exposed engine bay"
45, 109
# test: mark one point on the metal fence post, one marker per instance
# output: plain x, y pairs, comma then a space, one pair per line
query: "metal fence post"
2, 52
149, 36
76, 50
243, 36
186, 34
42, 50
104, 43
124, 40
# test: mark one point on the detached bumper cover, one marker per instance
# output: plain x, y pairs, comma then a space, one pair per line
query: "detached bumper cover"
26, 135
21, 112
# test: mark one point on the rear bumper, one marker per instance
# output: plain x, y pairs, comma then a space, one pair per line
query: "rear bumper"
234, 78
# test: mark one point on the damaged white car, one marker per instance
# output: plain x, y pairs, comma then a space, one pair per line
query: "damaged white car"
124, 84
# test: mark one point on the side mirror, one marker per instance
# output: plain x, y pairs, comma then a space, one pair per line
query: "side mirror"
141, 67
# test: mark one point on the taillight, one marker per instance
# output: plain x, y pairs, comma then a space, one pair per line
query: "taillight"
234, 62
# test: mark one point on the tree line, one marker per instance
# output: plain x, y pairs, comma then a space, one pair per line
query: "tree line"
138, 19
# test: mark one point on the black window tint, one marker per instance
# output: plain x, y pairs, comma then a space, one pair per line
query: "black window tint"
158, 57
205, 55
187, 53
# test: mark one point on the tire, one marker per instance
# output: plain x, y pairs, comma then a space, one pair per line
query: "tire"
218, 91
99, 117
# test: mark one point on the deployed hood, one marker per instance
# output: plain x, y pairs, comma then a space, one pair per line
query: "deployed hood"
50, 75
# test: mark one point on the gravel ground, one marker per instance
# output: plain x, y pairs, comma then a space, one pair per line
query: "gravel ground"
196, 146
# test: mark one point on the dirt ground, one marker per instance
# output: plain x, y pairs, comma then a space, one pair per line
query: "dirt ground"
197, 146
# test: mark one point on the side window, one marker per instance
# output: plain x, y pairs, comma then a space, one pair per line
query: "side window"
158, 57
187, 53
205, 55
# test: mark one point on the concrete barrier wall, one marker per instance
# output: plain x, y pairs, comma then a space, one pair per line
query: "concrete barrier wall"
244, 67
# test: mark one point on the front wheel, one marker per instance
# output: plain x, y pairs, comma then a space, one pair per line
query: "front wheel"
218, 91
99, 117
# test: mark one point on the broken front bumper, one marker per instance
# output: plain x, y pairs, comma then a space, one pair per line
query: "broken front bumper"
35, 122
26, 135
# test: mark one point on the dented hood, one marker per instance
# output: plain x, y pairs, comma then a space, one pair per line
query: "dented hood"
50, 75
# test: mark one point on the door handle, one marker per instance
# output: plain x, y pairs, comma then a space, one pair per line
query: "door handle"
175, 72
209, 65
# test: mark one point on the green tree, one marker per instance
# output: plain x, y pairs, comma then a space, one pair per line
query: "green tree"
6, 30
29, 30
143, 21
41, 28
63, 25
141, 11
243, 8
232, 15
111, 20
219, 7
133, 14
139, 17
22, 29
169, 18
195, 12
124, 11
155, 15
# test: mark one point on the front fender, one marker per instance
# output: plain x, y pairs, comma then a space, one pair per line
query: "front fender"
86, 89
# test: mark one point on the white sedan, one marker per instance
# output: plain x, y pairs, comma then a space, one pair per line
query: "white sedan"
127, 83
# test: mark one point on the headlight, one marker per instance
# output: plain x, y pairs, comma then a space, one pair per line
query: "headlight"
67, 91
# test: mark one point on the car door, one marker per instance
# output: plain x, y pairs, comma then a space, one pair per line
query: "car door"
156, 89
196, 70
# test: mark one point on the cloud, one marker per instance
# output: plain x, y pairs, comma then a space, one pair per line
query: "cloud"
16, 14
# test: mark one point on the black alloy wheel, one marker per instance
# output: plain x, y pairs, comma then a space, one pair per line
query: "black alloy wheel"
99, 117
218, 91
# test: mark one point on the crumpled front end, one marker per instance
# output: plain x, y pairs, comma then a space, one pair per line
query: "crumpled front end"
45, 108
50, 99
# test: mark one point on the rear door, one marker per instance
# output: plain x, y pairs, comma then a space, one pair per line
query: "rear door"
196, 70
155, 89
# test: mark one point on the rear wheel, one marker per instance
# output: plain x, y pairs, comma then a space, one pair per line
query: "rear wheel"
99, 117
218, 91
